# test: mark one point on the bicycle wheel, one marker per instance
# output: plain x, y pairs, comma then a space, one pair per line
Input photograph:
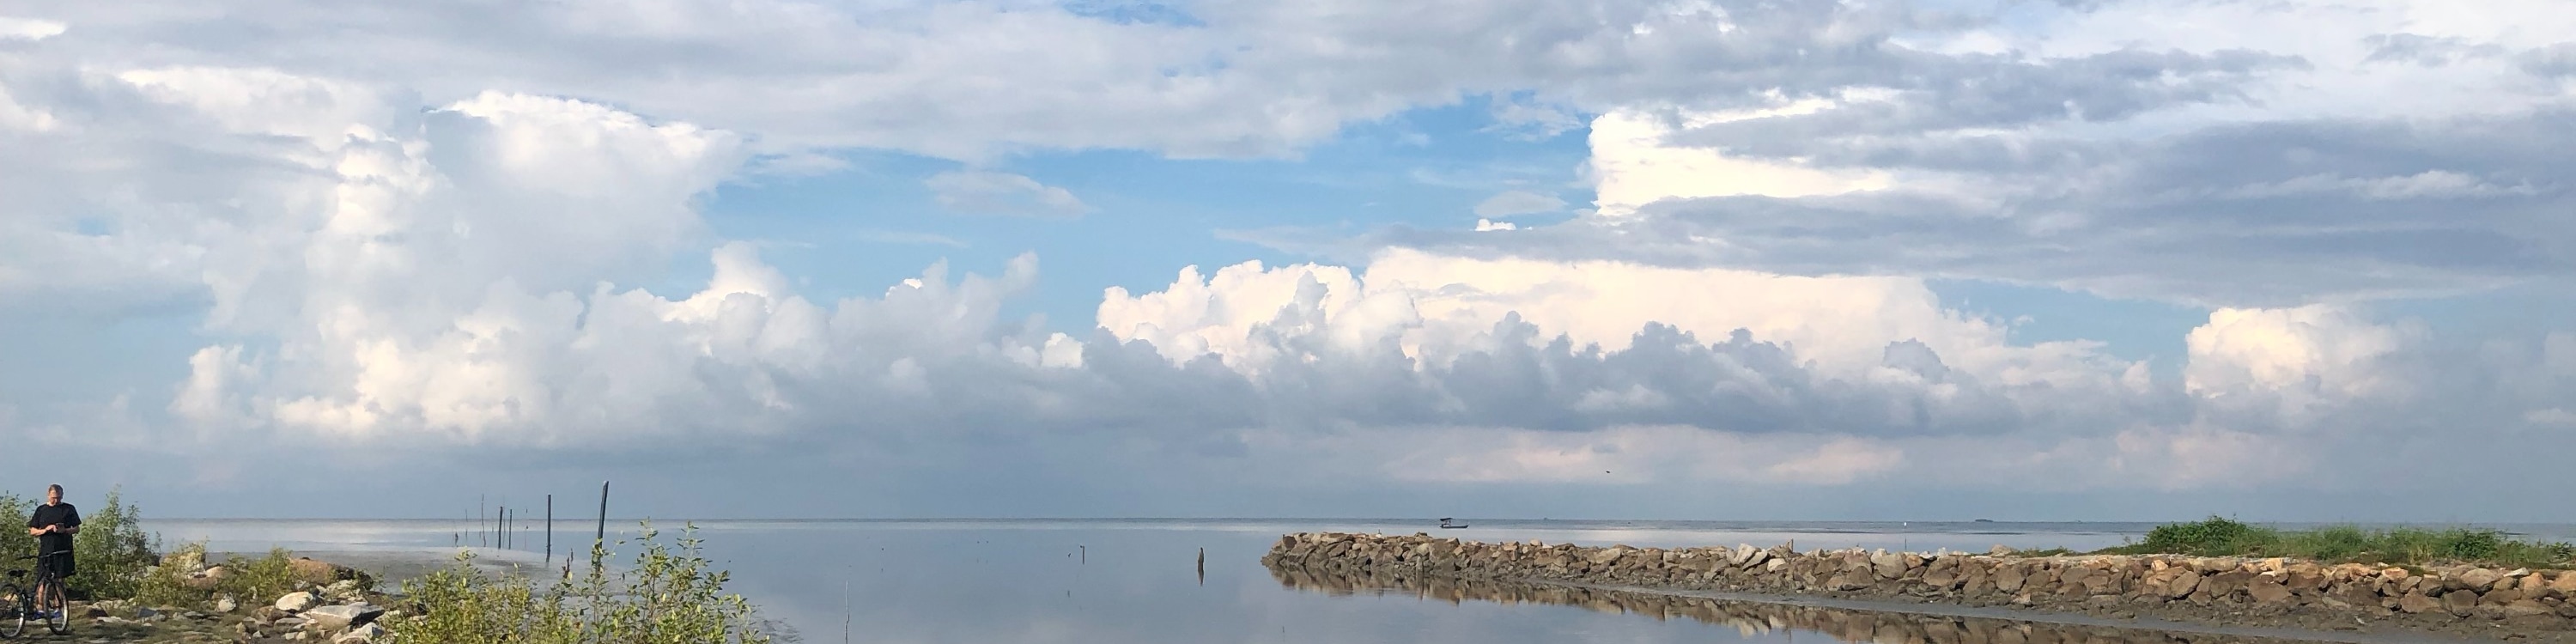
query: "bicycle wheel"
57, 610
15, 600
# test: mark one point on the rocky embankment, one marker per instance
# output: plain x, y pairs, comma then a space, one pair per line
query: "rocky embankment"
2460, 600
331, 603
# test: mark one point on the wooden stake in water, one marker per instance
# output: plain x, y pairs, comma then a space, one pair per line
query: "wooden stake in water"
603, 513
550, 529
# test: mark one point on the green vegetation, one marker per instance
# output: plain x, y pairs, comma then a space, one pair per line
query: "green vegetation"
667, 597
2221, 537
113, 549
246, 579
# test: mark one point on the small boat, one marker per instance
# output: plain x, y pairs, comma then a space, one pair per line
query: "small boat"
1447, 522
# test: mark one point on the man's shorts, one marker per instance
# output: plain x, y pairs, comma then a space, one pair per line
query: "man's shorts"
61, 565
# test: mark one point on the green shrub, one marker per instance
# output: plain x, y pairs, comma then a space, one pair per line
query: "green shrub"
112, 548
261, 579
14, 541
667, 597
2211, 537
2219, 537
168, 585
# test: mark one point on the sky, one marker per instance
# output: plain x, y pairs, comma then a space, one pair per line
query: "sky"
2295, 260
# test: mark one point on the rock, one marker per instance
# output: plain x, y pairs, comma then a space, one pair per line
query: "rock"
225, 604
1605, 555
141, 612
94, 612
185, 561
289, 622
2181, 585
320, 573
2000, 550
1888, 565
2460, 602
343, 616
2267, 592
296, 602
2010, 578
2525, 608
2479, 579
2566, 583
363, 633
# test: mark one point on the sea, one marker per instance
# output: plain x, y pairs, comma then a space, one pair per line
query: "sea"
1171, 581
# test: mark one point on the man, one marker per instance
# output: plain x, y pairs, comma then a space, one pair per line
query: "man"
53, 525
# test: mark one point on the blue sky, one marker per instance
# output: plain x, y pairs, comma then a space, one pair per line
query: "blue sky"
1238, 258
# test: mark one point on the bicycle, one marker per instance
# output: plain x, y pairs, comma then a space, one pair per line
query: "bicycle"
41, 600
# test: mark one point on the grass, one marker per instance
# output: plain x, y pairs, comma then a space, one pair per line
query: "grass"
668, 596
2222, 537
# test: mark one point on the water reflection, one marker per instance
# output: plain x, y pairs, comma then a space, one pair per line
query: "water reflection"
1750, 618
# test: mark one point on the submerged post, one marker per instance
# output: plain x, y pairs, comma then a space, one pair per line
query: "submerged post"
550, 529
602, 537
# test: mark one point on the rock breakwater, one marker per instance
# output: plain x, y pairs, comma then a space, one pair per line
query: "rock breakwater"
2466, 600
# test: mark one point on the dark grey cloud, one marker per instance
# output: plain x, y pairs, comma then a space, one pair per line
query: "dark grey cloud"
2268, 214
2555, 61
1211, 78
2429, 51
1945, 94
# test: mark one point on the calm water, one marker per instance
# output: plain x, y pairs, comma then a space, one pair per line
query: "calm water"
1138, 581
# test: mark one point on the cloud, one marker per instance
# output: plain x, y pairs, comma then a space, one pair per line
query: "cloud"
401, 247
1524, 121
2424, 50
1517, 202
1002, 193
29, 29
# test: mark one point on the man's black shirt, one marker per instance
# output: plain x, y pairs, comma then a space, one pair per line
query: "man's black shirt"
45, 515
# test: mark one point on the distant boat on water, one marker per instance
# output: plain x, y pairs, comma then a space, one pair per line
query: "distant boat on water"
1985, 520
1446, 522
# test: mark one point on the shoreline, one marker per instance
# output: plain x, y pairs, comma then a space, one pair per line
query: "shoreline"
2213, 592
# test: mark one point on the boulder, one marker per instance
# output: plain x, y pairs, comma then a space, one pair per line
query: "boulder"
1605, 555
2478, 579
2460, 602
322, 573
360, 635
2182, 583
344, 615
226, 604
184, 561
2417, 602
2565, 584
2267, 591
296, 602
2010, 578
2526, 608
1888, 565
